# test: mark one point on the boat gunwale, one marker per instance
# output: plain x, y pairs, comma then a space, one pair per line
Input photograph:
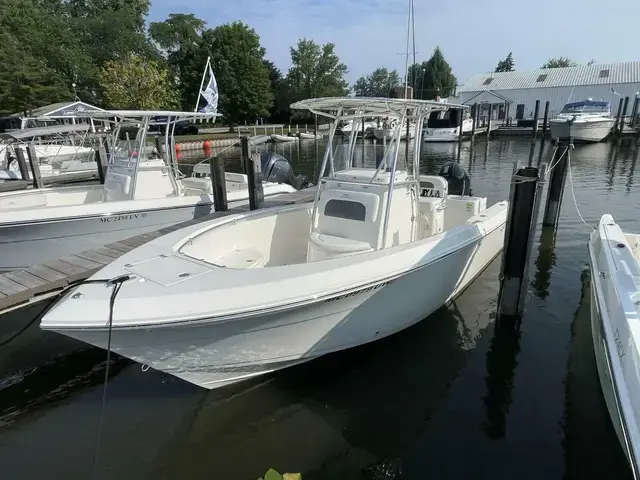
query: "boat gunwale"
624, 408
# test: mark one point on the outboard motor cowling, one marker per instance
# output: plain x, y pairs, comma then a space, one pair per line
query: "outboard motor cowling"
457, 178
275, 168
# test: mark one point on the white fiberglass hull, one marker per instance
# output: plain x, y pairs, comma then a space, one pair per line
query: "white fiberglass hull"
587, 130
388, 133
614, 287
211, 351
24, 243
283, 138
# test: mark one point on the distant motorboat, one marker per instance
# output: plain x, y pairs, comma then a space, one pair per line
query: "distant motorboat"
388, 129
585, 121
304, 135
445, 126
348, 126
282, 138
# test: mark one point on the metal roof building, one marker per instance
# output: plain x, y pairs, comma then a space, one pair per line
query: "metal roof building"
520, 90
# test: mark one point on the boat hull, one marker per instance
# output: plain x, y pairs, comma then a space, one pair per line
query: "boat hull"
581, 131
213, 352
34, 243
614, 348
388, 133
283, 138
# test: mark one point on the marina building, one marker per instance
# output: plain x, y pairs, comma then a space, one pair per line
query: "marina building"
517, 92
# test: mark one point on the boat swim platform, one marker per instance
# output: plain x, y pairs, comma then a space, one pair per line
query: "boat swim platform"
21, 288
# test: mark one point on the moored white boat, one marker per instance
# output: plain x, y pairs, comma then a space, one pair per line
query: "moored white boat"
445, 126
586, 121
283, 138
140, 194
305, 135
388, 130
614, 259
377, 251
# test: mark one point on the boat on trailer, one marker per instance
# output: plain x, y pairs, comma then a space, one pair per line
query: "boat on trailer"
380, 248
614, 259
140, 194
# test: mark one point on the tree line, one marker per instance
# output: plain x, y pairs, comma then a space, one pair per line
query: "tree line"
105, 53
508, 64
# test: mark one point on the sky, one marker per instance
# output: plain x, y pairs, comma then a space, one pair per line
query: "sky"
473, 34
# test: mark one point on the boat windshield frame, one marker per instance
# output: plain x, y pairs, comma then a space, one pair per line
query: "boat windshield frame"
586, 108
404, 110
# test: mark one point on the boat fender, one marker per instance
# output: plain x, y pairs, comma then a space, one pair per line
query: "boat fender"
457, 178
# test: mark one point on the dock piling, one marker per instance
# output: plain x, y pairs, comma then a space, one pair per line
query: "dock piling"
101, 161
616, 127
634, 111
35, 166
252, 169
556, 183
315, 125
489, 121
474, 118
461, 120
536, 116
524, 203
545, 120
22, 163
216, 170
624, 114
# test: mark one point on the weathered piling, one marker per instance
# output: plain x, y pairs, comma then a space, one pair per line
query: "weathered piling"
616, 127
461, 120
558, 173
624, 114
35, 167
507, 120
545, 120
315, 125
524, 203
536, 116
634, 111
218, 184
252, 169
489, 121
22, 163
474, 118
100, 156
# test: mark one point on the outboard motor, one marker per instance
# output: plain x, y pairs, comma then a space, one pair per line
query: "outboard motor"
275, 168
457, 178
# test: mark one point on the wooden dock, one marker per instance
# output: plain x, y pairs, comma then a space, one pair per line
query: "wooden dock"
19, 288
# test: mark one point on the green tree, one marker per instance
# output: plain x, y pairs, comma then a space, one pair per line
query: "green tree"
238, 63
26, 82
432, 78
316, 71
559, 62
280, 111
506, 65
379, 83
180, 36
137, 84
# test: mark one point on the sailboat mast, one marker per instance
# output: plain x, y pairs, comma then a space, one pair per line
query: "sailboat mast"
406, 62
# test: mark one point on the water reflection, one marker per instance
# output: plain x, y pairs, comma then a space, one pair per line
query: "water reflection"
544, 262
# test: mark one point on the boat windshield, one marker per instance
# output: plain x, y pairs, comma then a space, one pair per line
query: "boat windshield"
595, 107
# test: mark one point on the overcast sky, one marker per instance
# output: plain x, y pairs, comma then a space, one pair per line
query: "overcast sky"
473, 34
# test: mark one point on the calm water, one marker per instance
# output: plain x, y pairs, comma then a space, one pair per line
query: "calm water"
449, 398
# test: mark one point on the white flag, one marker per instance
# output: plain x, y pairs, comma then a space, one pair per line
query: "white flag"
210, 94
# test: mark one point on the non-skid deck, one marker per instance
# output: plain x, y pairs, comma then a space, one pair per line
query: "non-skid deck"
22, 287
